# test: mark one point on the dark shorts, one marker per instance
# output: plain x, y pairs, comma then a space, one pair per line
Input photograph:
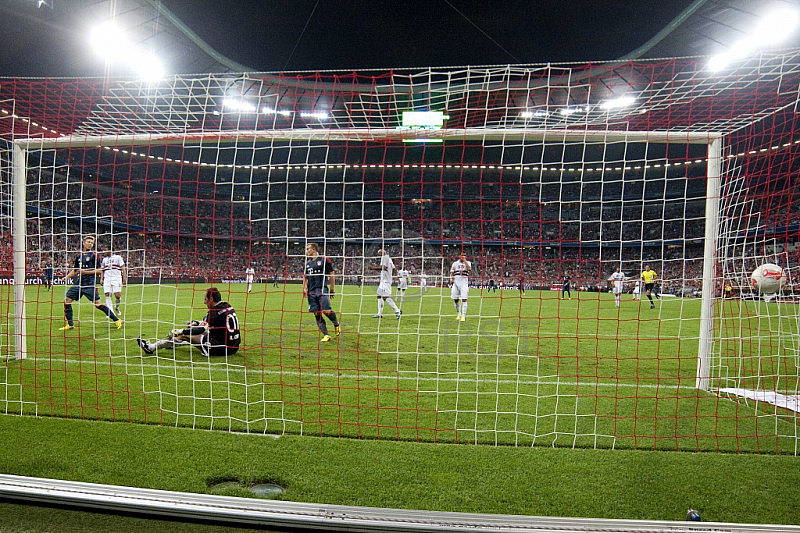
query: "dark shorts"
75, 292
649, 286
318, 302
208, 350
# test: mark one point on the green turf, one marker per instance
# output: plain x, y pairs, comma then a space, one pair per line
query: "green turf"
523, 481
522, 370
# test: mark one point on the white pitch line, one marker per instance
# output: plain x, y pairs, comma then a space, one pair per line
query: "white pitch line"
400, 376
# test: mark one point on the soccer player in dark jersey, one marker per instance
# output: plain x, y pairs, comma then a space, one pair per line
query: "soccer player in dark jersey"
492, 286
216, 335
87, 266
565, 287
48, 275
316, 289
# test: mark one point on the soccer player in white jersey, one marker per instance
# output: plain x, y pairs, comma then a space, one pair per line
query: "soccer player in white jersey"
637, 290
386, 269
249, 274
617, 278
459, 278
115, 276
423, 282
402, 282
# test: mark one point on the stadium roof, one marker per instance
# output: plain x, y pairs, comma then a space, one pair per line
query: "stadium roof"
47, 36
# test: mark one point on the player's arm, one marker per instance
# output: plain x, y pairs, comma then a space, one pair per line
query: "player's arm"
305, 285
124, 271
331, 277
71, 274
376, 267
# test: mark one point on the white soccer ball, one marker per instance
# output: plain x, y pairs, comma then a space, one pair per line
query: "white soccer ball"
768, 278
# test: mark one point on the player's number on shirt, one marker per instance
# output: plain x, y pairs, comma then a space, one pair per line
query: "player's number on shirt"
232, 322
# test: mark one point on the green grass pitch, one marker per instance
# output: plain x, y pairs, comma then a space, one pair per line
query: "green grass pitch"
522, 369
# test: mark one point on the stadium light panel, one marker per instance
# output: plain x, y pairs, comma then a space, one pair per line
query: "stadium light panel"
108, 41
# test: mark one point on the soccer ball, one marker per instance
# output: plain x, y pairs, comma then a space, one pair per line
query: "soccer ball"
768, 278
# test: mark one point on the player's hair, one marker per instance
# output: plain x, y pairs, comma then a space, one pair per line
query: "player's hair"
213, 294
314, 246
88, 237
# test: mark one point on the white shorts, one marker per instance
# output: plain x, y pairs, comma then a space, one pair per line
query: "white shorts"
249, 281
636, 290
384, 289
422, 283
460, 290
616, 290
111, 287
402, 284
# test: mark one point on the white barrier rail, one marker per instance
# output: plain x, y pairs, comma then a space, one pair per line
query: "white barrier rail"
262, 512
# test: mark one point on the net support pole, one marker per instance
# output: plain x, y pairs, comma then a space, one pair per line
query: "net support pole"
713, 191
19, 231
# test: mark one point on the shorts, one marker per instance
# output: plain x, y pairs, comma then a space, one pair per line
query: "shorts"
402, 284
75, 292
384, 290
616, 290
318, 302
110, 287
460, 290
208, 350
649, 286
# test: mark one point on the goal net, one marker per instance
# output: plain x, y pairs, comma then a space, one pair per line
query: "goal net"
507, 199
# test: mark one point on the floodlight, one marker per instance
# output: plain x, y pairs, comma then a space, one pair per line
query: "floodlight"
773, 28
776, 26
622, 101
108, 41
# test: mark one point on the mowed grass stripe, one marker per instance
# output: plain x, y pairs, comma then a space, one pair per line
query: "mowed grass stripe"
528, 368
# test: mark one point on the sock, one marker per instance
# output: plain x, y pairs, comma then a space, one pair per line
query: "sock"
108, 301
394, 305
118, 301
464, 308
458, 309
332, 317
618, 299
109, 313
68, 313
321, 324
650, 298
163, 343
380, 306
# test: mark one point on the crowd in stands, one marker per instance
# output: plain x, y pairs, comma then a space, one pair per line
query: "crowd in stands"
510, 241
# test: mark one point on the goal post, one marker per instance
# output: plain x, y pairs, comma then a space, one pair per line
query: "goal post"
713, 192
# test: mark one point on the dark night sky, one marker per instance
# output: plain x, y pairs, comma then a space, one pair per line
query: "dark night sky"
357, 34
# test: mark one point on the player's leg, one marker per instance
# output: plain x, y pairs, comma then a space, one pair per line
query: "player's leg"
325, 305
380, 306
118, 297
455, 294
72, 294
94, 296
397, 311
463, 308
107, 292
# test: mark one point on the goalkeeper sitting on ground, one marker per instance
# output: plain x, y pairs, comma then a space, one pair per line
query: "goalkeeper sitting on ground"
217, 334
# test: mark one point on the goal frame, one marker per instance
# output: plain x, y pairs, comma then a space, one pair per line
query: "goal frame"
714, 142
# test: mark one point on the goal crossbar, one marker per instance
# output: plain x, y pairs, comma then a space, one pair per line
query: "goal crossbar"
367, 134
